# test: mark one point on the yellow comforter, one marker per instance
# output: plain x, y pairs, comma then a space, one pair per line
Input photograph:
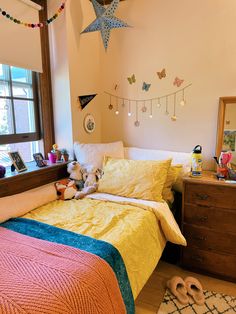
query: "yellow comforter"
138, 229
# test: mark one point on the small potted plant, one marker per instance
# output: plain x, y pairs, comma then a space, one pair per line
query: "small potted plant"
64, 155
55, 155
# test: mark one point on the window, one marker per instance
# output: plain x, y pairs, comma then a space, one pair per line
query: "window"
18, 105
19, 122
20, 91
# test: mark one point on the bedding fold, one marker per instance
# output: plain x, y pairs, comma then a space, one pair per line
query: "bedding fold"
43, 277
161, 210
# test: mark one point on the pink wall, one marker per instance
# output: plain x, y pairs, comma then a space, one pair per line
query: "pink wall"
191, 39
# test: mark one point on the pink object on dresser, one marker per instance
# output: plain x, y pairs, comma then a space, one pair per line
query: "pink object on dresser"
37, 276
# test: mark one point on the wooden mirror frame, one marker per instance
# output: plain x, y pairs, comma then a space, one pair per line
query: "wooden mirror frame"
221, 118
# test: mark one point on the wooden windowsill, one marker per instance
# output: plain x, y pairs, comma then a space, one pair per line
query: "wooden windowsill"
15, 182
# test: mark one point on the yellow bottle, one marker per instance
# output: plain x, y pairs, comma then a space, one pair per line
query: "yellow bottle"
196, 164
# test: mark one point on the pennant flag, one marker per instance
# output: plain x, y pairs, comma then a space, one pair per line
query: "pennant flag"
85, 100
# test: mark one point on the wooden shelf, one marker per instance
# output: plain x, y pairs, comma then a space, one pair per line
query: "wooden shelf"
14, 182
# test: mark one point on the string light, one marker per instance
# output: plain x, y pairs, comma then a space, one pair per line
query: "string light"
174, 118
150, 116
144, 108
159, 98
117, 106
129, 113
34, 25
183, 101
167, 112
110, 106
137, 123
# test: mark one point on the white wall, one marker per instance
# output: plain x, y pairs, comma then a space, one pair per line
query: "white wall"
60, 80
191, 39
75, 68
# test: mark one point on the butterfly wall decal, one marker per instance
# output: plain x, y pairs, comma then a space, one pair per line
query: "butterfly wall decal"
131, 79
178, 82
146, 86
162, 74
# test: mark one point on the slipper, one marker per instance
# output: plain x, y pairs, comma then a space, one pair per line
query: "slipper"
194, 289
177, 287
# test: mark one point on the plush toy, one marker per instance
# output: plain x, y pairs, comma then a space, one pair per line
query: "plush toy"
66, 189
74, 169
90, 176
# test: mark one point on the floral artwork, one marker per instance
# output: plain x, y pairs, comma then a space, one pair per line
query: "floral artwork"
229, 140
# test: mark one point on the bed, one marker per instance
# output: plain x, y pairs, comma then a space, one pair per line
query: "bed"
121, 237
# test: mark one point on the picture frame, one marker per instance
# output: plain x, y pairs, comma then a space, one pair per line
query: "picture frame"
17, 161
229, 140
38, 157
89, 123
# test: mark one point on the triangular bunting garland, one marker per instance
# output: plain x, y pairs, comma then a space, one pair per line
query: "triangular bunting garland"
85, 100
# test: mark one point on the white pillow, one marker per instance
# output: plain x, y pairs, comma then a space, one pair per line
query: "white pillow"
19, 204
93, 153
153, 154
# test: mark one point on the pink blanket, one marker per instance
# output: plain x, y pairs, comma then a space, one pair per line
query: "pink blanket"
37, 276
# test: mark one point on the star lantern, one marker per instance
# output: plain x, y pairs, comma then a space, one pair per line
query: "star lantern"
105, 21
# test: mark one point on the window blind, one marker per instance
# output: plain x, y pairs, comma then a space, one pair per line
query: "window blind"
20, 45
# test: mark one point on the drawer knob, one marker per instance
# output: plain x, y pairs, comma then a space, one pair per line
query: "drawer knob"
202, 197
203, 218
197, 258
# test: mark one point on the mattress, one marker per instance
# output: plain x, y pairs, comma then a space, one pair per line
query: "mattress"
137, 229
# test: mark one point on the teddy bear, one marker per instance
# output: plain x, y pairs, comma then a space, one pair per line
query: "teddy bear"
90, 176
74, 169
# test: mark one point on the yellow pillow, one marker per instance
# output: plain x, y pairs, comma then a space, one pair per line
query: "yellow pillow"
141, 179
172, 176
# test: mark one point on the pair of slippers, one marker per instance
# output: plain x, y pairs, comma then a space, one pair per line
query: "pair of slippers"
182, 289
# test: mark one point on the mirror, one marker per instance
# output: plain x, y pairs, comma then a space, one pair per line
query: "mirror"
226, 133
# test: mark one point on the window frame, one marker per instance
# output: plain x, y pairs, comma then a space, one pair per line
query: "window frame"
45, 85
29, 136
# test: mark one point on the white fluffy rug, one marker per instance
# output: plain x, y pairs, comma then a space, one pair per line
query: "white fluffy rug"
216, 303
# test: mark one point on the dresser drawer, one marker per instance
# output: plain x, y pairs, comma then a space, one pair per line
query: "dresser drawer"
210, 195
213, 218
211, 240
218, 264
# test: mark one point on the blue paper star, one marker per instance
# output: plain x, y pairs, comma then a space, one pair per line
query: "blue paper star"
105, 21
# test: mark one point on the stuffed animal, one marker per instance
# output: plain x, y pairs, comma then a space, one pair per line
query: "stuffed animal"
74, 169
90, 176
66, 189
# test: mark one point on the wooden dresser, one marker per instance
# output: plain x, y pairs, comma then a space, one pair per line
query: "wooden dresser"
209, 225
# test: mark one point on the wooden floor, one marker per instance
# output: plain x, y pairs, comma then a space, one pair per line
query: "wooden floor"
151, 296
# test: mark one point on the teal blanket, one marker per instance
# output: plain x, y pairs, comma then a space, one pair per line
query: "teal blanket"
100, 248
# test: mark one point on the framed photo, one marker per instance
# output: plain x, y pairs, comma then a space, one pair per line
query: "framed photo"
39, 160
17, 161
89, 123
229, 140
